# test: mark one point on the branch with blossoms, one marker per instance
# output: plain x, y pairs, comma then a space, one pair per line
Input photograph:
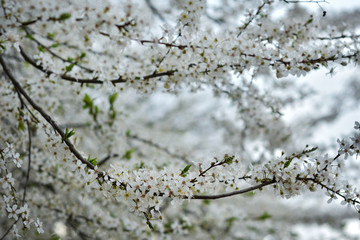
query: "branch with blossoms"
303, 65
15, 206
95, 80
147, 189
264, 181
58, 130
72, 62
252, 17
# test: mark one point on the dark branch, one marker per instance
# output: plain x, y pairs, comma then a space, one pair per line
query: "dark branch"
339, 37
224, 195
107, 158
43, 113
7, 232
155, 11
29, 162
95, 80
55, 54
155, 145
251, 18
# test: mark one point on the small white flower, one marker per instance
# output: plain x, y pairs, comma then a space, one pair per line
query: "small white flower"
18, 162
13, 212
8, 181
38, 225
15, 232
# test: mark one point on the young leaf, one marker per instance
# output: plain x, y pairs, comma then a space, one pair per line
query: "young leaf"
93, 161
228, 160
68, 134
185, 171
69, 67
51, 35
21, 126
128, 154
128, 133
55, 45
150, 225
41, 48
287, 163
64, 16
112, 99
264, 216
88, 102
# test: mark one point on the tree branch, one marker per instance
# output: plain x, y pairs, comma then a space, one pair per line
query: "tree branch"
95, 80
105, 159
29, 162
43, 113
251, 18
27, 30
155, 145
224, 195
155, 11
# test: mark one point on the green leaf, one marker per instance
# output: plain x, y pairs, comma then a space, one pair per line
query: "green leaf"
112, 114
93, 109
95, 112
128, 154
228, 160
206, 202
21, 126
64, 16
230, 221
150, 225
29, 37
69, 67
88, 102
55, 45
68, 134
309, 20
112, 99
141, 165
51, 35
264, 216
82, 55
93, 161
54, 237
287, 163
185, 171
41, 48
70, 59
128, 133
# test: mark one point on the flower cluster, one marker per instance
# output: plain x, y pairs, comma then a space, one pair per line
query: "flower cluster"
11, 201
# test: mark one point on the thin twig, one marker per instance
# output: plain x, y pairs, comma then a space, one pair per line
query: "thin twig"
339, 37
224, 195
251, 18
107, 158
155, 11
155, 145
305, 1
29, 162
27, 30
7, 232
